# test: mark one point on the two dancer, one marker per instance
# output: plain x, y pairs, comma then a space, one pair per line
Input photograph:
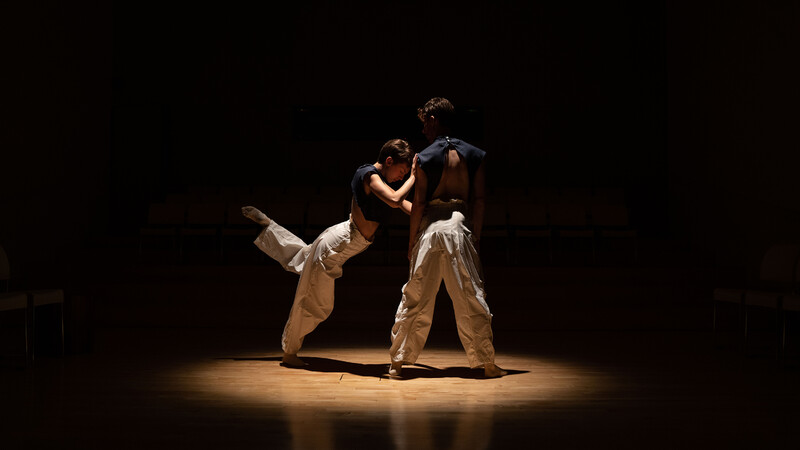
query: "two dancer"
446, 222
319, 264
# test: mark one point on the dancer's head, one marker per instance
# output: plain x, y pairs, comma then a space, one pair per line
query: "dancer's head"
436, 117
395, 158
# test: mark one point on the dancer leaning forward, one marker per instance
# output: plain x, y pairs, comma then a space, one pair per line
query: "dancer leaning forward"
319, 264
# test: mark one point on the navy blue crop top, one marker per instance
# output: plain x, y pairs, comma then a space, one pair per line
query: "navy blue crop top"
373, 208
432, 159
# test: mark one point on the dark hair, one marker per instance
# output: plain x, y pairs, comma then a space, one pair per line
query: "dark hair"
440, 108
398, 149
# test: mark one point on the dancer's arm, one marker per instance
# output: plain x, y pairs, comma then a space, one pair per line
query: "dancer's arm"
395, 199
478, 202
417, 209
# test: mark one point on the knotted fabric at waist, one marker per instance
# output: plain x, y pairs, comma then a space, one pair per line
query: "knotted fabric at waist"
443, 209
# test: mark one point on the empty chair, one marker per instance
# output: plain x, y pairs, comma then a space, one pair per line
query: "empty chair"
571, 231
530, 231
541, 195
790, 307
163, 223
495, 221
18, 301
574, 196
29, 301
608, 196
611, 225
567, 216
203, 223
504, 194
777, 278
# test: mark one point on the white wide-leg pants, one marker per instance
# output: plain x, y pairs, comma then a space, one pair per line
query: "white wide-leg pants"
444, 251
318, 264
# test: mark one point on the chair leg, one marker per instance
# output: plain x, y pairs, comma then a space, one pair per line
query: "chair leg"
28, 336
778, 335
782, 346
714, 325
744, 335
33, 332
61, 313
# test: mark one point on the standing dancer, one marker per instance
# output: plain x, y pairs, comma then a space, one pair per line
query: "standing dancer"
320, 263
446, 222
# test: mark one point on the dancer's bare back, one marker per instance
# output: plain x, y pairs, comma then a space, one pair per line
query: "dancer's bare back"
454, 183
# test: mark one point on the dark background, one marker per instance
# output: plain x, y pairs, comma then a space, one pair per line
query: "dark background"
692, 108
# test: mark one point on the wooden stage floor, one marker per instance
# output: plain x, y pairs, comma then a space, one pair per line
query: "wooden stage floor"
223, 388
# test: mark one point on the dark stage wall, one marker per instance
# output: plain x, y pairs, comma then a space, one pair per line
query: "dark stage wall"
689, 107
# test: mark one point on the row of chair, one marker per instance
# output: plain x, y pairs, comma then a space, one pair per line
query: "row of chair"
28, 302
512, 195
509, 224
777, 289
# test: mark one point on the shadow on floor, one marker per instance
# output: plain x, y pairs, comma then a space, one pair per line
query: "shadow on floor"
381, 370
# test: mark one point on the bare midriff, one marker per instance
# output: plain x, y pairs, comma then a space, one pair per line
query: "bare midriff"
367, 228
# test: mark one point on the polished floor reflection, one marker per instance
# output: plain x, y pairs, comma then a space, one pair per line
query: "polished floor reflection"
206, 388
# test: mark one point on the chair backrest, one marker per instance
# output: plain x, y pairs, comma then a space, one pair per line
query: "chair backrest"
574, 196
205, 214
779, 264
567, 215
609, 216
495, 215
527, 215
608, 196
166, 214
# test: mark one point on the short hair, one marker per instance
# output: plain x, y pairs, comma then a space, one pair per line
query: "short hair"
398, 149
440, 108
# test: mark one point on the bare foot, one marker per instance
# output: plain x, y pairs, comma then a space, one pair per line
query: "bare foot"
255, 215
492, 371
291, 360
395, 368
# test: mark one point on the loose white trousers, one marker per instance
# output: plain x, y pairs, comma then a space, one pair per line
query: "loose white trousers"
444, 251
318, 264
